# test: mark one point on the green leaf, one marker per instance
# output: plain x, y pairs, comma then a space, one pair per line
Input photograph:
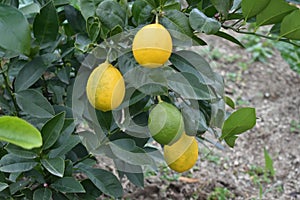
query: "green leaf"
31, 8
55, 166
5, 106
188, 85
65, 147
58, 3
57, 91
51, 130
230, 140
68, 185
141, 12
111, 14
69, 168
238, 122
80, 151
14, 176
223, 6
30, 73
104, 180
45, 25
136, 178
126, 150
90, 140
229, 38
42, 194
274, 12
93, 28
88, 8
3, 186
17, 186
214, 112
139, 107
251, 8
64, 74
194, 119
133, 172
13, 3
154, 3
75, 19
126, 62
293, 1
28, 193
275, 30
229, 102
192, 62
49, 58
68, 128
236, 4
19, 132
269, 163
290, 28
37, 175
171, 5
92, 192
11, 164
201, 23
5, 194
59, 196
198, 41
82, 42
148, 81
176, 21
193, 3
105, 119
34, 103
20, 152
15, 31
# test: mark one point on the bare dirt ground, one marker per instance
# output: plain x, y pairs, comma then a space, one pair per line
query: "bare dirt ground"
274, 90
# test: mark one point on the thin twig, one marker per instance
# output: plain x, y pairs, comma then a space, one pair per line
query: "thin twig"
83, 159
9, 89
260, 35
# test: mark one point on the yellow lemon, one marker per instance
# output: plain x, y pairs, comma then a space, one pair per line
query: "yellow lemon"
183, 154
165, 123
152, 46
105, 87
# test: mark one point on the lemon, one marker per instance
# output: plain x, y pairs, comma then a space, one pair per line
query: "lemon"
105, 87
165, 123
182, 155
152, 46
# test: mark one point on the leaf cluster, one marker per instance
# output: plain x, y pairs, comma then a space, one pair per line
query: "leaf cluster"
49, 48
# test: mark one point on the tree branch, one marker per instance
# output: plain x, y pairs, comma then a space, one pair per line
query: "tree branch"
260, 35
8, 86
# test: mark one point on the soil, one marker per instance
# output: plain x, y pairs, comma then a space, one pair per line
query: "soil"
274, 90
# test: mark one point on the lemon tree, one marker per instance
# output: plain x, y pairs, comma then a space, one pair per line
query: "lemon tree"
83, 79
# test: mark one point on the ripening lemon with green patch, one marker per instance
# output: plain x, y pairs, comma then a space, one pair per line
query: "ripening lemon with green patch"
105, 87
152, 46
183, 154
165, 123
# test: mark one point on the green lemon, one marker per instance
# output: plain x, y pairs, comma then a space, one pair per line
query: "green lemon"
165, 123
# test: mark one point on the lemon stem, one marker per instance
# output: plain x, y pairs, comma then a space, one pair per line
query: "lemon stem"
159, 99
108, 52
107, 56
156, 19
